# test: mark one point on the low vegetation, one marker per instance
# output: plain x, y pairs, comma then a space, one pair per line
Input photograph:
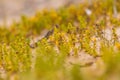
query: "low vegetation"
73, 32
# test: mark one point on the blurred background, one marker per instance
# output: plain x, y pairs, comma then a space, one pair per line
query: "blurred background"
13, 9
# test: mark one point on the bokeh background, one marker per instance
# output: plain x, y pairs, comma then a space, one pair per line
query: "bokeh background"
12, 9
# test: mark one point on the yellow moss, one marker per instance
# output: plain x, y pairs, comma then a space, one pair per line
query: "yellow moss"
53, 14
56, 43
72, 9
117, 45
33, 19
93, 39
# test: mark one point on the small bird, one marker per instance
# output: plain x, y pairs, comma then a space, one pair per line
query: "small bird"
47, 35
50, 32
